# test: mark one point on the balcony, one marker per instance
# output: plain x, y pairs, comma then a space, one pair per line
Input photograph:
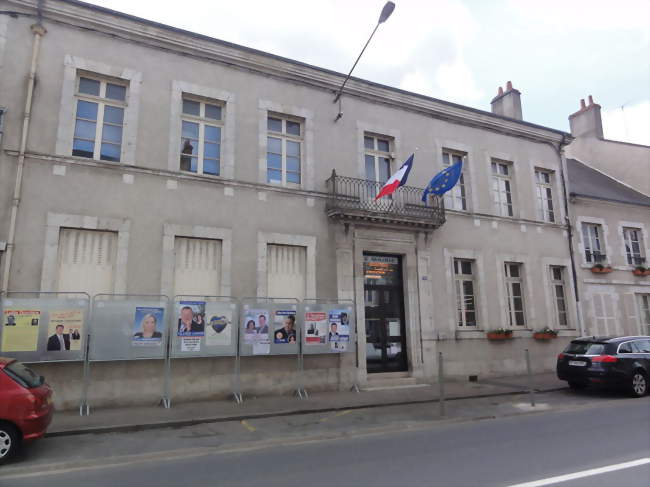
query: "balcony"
352, 199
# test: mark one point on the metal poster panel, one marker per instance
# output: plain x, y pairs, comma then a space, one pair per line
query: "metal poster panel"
268, 327
128, 327
204, 326
328, 327
50, 328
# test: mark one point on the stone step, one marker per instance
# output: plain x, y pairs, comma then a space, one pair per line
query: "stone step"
387, 382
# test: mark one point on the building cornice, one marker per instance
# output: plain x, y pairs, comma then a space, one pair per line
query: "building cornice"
182, 42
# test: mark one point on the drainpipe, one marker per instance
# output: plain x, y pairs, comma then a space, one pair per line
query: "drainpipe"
574, 274
39, 31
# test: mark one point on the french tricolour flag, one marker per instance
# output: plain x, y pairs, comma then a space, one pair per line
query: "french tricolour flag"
396, 180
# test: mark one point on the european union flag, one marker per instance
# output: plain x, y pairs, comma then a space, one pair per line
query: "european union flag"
443, 181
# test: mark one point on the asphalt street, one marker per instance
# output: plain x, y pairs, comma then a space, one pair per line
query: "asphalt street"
394, 446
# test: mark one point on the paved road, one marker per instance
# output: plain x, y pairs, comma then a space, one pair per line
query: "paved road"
382, 447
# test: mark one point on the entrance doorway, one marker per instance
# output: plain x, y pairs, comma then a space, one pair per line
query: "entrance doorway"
384, 302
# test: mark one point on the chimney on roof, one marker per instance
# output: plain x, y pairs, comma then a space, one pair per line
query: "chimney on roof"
587, 120
507, 103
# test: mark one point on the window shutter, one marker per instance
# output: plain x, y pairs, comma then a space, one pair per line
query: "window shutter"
86, 261
197, 270
286, 266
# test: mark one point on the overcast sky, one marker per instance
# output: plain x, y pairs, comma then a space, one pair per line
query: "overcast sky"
554, 51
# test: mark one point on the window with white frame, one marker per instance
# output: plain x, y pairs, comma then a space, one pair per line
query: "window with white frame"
644, 309
559, 296
201, 127
502, 187
286, 271
455, 198
515, 294
99, 118
465, 286
544, 193
284, 150
377, 156
634, 246
592, 239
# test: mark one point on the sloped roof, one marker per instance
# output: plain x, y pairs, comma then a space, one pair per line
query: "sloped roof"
590, 183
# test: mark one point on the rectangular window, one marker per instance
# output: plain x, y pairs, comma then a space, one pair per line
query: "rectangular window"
286, 271
465, 284
99, 118
455, 198
559, 296
86, 261
284, 150
502, 187
593, 242
377, 157
544, 193
197, 267
201, 127
644, 309
515, 294
634, 246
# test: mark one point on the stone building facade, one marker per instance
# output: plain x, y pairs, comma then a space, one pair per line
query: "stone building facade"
609, 188
147, 143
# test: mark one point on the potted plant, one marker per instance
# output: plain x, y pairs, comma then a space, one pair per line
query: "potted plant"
545, 334
597, 268
640, 271
499, 334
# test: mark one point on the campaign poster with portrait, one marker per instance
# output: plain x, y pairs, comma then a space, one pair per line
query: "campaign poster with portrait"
69, 322
284, 326
315, 328
20, 330
218, 330
339, 329
256, 330
191, 319
148, 326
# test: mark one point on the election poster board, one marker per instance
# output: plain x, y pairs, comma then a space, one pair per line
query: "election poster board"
328, 327
203, 327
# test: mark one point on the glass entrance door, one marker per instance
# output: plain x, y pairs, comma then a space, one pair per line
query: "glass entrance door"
384, 304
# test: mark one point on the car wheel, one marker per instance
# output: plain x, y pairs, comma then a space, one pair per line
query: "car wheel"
9, 440
638, 384
575, 385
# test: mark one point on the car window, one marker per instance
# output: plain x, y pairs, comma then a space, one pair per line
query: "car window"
23, 375
585, 348
626, 348
641, 346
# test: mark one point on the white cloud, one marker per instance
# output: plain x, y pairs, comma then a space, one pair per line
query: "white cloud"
456, 82
629, 123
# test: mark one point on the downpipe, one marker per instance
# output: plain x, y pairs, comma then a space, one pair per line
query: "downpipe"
39, 31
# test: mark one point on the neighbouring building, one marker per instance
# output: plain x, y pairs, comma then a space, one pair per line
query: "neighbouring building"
610, 215
159, 161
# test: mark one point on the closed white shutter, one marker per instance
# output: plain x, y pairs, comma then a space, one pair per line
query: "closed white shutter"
197, 270
86, 261
605, 315
285, 270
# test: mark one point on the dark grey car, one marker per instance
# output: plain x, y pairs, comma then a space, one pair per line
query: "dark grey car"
622, 362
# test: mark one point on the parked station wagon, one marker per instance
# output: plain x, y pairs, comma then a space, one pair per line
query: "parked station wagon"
622, 362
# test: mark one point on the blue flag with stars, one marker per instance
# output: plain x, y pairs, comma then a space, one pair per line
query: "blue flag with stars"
443, 181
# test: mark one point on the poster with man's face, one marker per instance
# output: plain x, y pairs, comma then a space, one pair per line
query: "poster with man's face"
284, 326
191, 319
69, 323
20, 330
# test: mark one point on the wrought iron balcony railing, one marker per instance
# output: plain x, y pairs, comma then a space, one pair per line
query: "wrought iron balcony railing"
354, 199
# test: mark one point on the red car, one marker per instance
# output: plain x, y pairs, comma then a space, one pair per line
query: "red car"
25, 406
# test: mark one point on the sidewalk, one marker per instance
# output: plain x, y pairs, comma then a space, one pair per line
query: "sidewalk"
185, 414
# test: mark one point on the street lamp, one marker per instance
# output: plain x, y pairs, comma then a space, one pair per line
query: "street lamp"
383, 17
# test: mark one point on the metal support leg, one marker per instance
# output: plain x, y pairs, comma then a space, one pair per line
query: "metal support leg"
441, 385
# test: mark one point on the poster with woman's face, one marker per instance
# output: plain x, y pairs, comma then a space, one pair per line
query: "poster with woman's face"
256, 326
148, 326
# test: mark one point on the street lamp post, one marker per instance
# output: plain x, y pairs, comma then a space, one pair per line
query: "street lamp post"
383, 17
